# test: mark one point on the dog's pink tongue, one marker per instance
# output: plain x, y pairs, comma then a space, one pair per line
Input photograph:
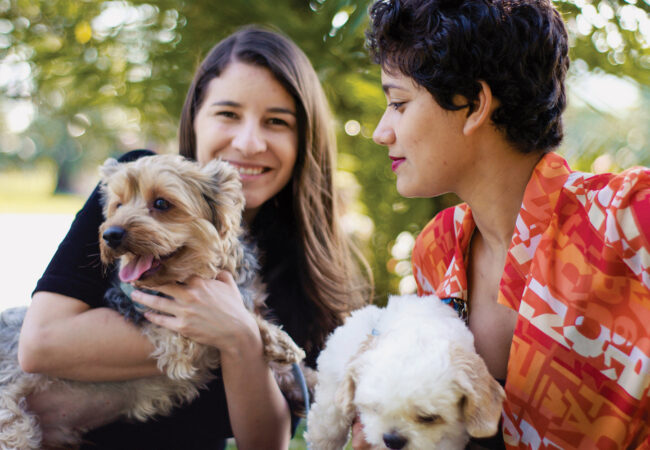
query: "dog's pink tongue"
135, 268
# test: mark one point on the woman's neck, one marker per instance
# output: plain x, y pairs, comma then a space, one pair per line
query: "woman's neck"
249, 215
496, 195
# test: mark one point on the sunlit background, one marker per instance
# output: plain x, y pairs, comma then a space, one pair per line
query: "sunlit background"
81, 80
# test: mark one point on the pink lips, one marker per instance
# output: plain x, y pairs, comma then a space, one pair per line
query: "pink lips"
396, 162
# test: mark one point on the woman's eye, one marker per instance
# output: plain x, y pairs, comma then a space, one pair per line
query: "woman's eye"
227, 114
278, 121
161, 204
396, 105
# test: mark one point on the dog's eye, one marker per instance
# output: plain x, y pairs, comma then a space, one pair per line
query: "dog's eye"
430, 418
161, 204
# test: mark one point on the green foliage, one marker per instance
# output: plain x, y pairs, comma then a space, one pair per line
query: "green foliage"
612, 35
106, 77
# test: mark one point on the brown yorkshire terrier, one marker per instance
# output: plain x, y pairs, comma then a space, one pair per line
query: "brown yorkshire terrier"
166, 219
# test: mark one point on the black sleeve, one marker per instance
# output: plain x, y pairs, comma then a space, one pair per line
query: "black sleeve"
76, 269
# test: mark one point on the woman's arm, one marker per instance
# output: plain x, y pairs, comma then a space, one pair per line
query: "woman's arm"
63, 337
259, 413
212, 312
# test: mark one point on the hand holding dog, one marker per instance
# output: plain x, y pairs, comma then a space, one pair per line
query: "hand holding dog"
210, 312
358, 439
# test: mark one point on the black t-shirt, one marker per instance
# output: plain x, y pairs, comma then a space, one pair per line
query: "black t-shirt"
76, 271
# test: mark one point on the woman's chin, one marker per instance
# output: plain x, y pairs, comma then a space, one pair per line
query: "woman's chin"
404, 189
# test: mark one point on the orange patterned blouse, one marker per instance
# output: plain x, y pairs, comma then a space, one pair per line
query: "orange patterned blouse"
578, 273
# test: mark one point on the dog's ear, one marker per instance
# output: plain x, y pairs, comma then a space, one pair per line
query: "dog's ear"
110, 166
345, 392
483, 395
222, 191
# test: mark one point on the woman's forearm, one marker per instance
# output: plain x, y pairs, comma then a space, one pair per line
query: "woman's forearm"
63, 337
258, 411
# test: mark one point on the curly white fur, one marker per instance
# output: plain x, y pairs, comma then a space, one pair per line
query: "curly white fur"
412, 374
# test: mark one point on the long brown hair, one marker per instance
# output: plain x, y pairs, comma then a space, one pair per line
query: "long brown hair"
332, 279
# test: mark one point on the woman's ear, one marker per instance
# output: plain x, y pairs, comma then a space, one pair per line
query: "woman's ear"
482, 112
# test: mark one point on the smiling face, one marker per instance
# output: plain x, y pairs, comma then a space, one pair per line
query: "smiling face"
249, 119
425, 141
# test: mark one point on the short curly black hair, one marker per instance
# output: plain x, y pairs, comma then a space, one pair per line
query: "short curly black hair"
518, 47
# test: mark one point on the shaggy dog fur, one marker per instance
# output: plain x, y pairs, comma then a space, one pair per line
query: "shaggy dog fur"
411, 372
167, 219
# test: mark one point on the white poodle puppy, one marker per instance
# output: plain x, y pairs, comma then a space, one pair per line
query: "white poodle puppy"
411, 372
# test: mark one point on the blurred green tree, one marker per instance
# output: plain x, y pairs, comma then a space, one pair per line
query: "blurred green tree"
83, 79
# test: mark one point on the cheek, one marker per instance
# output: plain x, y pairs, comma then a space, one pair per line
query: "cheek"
287, 153
210, 140
413, 125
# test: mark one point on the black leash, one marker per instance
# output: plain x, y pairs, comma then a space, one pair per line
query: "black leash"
300, 378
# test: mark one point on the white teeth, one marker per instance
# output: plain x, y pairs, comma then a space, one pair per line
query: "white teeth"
250, 170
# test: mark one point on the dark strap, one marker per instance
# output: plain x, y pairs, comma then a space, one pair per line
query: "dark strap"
459, 305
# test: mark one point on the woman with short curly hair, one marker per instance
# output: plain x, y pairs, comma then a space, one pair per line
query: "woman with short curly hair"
548, 266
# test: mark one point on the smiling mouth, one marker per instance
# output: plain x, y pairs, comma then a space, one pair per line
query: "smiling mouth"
249, 170
142, 266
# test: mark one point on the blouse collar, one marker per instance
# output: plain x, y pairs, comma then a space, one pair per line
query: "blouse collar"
540, 198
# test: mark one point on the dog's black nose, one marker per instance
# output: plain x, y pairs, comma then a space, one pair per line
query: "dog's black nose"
394, 440
114, 236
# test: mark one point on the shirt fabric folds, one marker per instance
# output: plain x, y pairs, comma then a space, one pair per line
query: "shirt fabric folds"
578, 274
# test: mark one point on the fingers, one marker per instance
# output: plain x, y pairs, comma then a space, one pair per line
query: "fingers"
155, 302
358, 441
162, 320
176, 290
164, 310
197, 308
226, 277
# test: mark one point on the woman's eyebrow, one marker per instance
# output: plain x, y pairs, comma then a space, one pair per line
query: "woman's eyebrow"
226, 103
281, 110
233, 104
388, 86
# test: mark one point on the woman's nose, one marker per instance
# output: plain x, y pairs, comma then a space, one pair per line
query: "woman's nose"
383, 134
249, 140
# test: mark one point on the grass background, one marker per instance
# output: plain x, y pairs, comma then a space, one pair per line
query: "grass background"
30, 191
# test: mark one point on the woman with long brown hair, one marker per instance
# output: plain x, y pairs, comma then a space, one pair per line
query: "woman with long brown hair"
255, 102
